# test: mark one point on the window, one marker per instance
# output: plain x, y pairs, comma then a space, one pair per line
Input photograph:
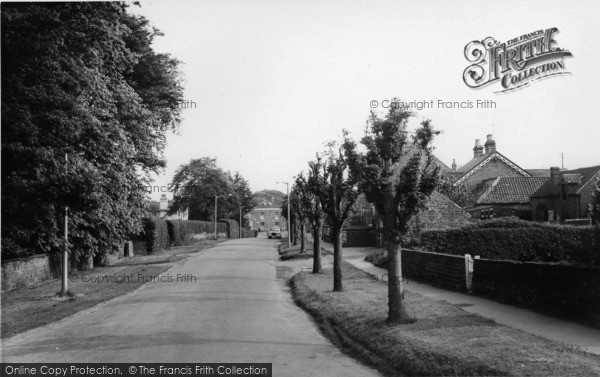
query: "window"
262, 223
563, 191
276, 223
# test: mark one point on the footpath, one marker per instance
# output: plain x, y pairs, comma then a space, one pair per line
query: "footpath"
523, 319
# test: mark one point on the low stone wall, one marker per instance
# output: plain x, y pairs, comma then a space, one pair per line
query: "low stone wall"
566, 290
25, 272
441, 270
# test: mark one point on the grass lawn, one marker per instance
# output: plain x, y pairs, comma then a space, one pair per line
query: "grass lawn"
293, 252
443, 339
26, 308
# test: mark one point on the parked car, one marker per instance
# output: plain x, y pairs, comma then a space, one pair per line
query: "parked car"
274, 232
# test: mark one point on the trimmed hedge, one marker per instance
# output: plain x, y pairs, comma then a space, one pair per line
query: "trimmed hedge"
161, 234
509, 239
186, 232
233, 229
249, 233
156, 234
565, 290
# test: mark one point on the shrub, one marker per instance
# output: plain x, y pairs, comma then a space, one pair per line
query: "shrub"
249, 233
518, 240
156, 234
378, 258
231, 228
11, 249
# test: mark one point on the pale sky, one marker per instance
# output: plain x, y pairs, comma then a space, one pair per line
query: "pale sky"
274, 80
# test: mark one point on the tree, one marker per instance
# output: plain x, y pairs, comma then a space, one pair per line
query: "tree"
462, 195
86, 107
195, 186
398, 175
291, 221
337, 191
297, 210
243, 194
314, 211
594, 206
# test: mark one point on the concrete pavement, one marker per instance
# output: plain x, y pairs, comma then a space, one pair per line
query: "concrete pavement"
526, 320
228, 306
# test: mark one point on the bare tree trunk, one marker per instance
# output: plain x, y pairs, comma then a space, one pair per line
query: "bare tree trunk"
336, 232
392, 243
303, 237
317, 231
295, 239
395, 296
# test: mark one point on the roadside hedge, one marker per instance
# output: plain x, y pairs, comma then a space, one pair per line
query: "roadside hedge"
156, 234
186, 232
509, 239
249, 233
564, 290
160, 234
233, 229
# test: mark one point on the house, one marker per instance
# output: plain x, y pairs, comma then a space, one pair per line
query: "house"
499, 186
506, 196
263, 218
487, 163
161, 208
565, 195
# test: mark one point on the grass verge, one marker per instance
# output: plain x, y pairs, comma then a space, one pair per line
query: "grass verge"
293, 252
27, 308
444, 339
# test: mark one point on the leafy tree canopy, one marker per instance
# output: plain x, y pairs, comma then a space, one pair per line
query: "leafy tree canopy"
196, 184
81, 79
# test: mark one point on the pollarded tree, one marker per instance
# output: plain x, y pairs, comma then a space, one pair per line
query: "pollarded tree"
298, 211
397, 174
311, 204
337, 191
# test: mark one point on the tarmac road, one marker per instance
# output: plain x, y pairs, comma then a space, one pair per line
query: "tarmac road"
227, 307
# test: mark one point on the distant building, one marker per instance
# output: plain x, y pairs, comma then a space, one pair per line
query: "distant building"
506, 196
161, 208
500, 187
565, 195
262, 219
488, 163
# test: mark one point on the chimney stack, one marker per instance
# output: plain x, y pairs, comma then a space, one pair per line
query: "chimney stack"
554, 173
490, 144
478, 149
454, 164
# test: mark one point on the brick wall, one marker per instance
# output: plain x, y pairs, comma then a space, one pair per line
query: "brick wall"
25, 272
441, 270
567, 290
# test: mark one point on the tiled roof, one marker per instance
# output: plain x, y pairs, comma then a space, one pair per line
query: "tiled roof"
571, 177
511, 190
409, 151
539, 172
474, 162
586, 174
